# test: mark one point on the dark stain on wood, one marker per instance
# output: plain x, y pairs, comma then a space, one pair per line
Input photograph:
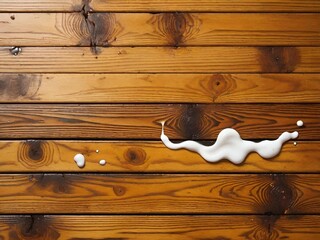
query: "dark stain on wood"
57, 183
278, 196
189, 124
33, 154
135, 156
15, 86
176, 28
278, 59
33, 227
119, 190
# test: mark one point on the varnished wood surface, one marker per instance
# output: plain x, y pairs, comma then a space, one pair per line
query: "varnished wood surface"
161, 29
82, 193
53, 227
161, 88
88, 75
161, 60
166, 5
126, 156
141, 121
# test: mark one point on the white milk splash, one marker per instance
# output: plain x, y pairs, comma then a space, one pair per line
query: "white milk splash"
230, 146
80, 160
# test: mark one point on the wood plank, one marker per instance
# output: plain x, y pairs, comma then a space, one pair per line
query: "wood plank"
145, 29
132, 156
148, 194
53, 227
161, 60
160, 88
165, 5
141, 121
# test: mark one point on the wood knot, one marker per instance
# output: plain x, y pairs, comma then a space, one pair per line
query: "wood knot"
34, 227
278, 59
135, 156
175, 28
220, 85
16, 86
34, 154
119, 190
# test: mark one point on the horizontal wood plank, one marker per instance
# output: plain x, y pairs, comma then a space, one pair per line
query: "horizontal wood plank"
160, 88
57, 156
53, 227
141, 121
210, 194
160, 59
165, 5
145, 29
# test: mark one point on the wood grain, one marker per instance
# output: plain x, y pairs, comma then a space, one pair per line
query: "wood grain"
126, 156
162, 29
141, 121
161, 60
53, 227
147, 194
165, 5
160, 88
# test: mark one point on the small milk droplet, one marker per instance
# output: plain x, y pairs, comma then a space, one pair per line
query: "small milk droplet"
97, 151
80, 160
299, 123
102, 162
295, 143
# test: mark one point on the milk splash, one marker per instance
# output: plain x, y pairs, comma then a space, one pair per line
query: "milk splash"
80, 160
230, 146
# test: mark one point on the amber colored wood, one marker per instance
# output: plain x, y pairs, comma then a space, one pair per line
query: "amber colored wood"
141, 121
91, 193
165, 5
169, 29
160, 59
160, 88
126, 156
54, 227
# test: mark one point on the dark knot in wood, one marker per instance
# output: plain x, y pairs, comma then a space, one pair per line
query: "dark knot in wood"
135, 156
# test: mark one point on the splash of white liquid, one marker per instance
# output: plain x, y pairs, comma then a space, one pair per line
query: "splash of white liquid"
80, 160
299, 123
102, 162
230, 146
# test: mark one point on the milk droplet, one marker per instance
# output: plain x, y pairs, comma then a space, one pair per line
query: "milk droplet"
300, 123
80, 160
102, 162
97, 151
230, 146
295, 143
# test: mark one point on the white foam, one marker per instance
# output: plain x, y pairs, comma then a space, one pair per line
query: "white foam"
102, 162
230, 146
80, 160
300, 123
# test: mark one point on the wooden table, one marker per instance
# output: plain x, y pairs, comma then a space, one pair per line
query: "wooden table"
96, 77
